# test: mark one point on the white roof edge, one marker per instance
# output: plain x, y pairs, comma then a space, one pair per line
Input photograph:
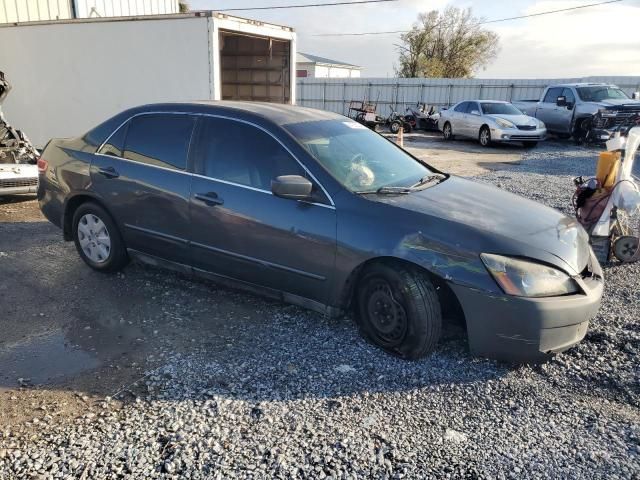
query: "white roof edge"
168, 16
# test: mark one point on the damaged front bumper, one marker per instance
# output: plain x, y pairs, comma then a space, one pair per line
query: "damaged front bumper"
18, 179
607, 122
529, 330
18, 158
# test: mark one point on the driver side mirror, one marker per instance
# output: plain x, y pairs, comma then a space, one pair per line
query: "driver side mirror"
561, 101
474, 112
293, 187
635, 95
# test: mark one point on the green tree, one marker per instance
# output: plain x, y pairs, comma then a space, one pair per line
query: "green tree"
450, 44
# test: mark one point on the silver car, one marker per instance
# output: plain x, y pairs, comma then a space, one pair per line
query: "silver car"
491, 121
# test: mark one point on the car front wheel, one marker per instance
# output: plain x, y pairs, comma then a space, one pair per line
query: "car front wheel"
398, 310
447, 131
97, 238
485, 137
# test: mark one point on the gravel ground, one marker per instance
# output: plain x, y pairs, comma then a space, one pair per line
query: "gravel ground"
286, 393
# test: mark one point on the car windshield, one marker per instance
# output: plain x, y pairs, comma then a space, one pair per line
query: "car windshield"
600, 93
358, 158
499, 109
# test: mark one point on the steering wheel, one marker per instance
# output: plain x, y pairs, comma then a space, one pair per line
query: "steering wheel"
357, 158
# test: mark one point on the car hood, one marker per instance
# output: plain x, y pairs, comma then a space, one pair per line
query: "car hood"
618, 102
517, 119
491, 220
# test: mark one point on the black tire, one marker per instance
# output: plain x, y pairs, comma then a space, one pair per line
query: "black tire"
117, 257
484, 137
407, 127
447, 131
398, 310
394, 127
529, 144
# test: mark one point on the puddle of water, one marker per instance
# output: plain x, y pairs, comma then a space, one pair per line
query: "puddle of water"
42, 359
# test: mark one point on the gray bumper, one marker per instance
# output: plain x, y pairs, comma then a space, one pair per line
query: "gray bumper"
16, 179
527, 330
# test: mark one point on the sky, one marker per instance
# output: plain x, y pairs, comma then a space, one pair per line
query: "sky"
601, 40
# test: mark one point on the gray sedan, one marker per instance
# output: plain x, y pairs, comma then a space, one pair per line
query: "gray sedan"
491, 121
314, 209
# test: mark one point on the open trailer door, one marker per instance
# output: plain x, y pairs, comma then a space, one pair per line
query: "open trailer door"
255, 68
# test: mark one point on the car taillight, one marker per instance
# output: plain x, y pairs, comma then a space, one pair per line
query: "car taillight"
42, 165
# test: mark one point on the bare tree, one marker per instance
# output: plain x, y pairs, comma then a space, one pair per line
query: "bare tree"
183, 7
449, 44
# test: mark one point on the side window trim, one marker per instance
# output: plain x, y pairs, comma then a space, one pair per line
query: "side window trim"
190, 170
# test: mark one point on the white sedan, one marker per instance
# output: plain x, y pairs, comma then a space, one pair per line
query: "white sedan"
491, 121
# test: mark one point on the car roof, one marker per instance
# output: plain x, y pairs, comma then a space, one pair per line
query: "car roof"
583, 84
486, 101
278, 113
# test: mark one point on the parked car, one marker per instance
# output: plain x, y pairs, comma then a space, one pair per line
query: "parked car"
18, 171
315, 209
490, 121
582, 109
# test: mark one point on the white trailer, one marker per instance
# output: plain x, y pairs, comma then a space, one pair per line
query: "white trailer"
68, 76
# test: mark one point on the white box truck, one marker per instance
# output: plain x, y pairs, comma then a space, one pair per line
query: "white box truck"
70, 75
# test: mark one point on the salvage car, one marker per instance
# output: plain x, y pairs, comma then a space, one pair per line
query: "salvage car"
313, 208
591, 111
491, 121
18, 171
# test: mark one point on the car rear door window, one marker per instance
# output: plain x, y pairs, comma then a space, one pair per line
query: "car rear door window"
115, 143
552, 95
461, 107
242, 154
159, 139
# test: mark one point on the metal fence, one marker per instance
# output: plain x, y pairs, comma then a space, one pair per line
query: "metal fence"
399, 93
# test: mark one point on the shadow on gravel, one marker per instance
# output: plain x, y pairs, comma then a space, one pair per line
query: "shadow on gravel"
66, 327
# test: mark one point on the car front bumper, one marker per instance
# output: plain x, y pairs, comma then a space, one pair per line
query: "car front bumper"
18, 179
528, 330
515, 135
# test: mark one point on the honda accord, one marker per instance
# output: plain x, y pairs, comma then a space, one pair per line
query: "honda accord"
314, 209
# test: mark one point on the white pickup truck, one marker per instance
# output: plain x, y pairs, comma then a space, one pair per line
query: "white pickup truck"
593, 111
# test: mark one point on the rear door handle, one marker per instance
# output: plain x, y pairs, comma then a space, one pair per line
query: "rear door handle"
210, 198
108, 172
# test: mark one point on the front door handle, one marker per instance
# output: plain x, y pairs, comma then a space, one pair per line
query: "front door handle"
108, 172
210, 198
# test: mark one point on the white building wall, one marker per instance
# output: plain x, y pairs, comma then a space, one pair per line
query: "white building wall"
12, 11
120, 8
325, 71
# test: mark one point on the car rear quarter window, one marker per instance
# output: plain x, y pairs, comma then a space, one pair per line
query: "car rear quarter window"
240, 153
115, 143
159, 139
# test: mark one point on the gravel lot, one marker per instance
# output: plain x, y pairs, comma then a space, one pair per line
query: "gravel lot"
230, 385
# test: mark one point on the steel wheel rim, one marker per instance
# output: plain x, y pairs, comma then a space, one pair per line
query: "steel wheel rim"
626, 248
387, 316
94, 238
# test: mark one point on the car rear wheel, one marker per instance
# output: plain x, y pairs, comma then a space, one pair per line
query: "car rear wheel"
398, 310
485, 137
97, 238
447, 131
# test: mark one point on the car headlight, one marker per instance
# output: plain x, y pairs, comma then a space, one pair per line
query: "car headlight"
541, 124
522, 278
505, 123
